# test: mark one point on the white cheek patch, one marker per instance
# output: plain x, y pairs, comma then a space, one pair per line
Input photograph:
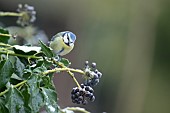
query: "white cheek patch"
65, 39
70, 41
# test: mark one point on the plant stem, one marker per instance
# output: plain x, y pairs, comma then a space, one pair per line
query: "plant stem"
7, 45
63, 69
12, 53
17, 85
20, 55
69, 71
9, 35
75, 80
77, 109
10, 14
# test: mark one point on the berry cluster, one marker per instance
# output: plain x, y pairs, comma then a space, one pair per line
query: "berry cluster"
92, 74
80, 95
28, 14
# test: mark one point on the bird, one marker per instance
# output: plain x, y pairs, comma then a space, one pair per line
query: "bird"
63, 42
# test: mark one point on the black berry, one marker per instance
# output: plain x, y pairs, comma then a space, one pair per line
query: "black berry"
82, 85
80, 95
84, 102
95, 76
99, 74
92, 98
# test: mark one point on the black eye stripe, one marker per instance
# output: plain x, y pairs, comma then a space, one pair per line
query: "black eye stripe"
68, 37
67, 43
63, 34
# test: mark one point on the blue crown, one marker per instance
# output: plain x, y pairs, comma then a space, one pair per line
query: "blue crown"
70, 34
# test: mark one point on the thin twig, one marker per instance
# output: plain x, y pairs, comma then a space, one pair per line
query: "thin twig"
17, 85
69, 71
8, 35
10, 14
63, 69
77, 109
7, 45
19, 55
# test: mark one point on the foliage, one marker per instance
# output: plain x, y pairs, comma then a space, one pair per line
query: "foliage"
26, 74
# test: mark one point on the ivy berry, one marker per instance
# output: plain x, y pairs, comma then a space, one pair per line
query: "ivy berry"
81, 95
92, 75
28, 14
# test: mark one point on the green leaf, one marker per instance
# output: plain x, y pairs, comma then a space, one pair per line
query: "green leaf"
65, 61
37, 102
36, 98
4, 39
47, 50
33, 83
47, 82
19, 67
15, 79
39, 63
50, 98
3, 108
15, 101
6, 71
14, 76
26, 50
32, 103
27, 97
40, 69
27, 73
47, 63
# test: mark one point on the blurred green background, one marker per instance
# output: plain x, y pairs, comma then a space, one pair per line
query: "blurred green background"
128, 39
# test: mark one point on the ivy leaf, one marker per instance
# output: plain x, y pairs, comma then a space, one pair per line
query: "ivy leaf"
32, 104
47, 50
26, 50
65, 61
40, 69
15, 101
26, 94
15, 79
6, 71
3, 108
47, 82
34, 85
27, 73
39, 63
50, 98
36, 102
19, 67
36, 97
4, 39
47, 63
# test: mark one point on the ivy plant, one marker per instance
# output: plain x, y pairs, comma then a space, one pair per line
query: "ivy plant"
27, 72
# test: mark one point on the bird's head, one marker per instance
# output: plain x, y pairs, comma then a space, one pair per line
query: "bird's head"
68, 38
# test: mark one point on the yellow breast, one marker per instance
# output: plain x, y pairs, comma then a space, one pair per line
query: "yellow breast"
59, 47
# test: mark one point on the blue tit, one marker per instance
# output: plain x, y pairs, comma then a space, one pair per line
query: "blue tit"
63, 42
